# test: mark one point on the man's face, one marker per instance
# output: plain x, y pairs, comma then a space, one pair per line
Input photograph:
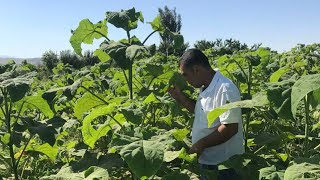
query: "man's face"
191, 75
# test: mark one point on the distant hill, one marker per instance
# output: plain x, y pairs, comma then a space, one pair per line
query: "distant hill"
5, 59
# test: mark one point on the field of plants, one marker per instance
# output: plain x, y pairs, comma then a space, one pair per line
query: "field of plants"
115, 120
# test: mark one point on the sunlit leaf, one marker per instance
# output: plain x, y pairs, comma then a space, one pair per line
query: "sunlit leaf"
86, 32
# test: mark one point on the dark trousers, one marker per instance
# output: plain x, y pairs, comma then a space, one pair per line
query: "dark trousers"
225, 174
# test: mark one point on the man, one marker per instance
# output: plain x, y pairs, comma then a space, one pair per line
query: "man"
224, 138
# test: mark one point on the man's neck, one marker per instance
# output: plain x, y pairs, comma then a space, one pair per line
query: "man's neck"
208, 78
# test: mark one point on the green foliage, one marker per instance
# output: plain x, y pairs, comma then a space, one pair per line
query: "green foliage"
50, 60
302, 87
279, 95
125, 19
80, 124
178, 80
270, 173
86, 32
303, 169
67, 173
259, 100
143, 157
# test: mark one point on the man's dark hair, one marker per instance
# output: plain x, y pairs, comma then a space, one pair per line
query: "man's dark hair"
194, 57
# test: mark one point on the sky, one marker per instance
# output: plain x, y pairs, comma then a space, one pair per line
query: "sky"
30, 28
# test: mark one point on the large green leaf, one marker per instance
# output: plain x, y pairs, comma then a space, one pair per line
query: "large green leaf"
157, 25
143, 157
154, 70
258, 101
103, 56
94, 172
136, 51
17, 90
68, 91
117, 51
125, 19
89, 133
301, 88
35, 102
177, 40
270, 173
48, 150
46, 130
16, 85
132, 114
277, 75
302, 171
280, 99
67, 173
86, 32
177, 79
85, 103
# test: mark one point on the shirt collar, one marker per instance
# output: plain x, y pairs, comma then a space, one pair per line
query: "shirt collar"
212, 83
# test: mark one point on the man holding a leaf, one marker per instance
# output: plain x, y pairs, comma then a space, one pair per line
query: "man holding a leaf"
216, 142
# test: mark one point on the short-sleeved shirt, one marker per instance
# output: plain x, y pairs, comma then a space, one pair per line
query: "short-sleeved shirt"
220, 91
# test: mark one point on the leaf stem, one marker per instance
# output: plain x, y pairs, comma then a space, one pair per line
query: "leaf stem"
95, 95
148, 36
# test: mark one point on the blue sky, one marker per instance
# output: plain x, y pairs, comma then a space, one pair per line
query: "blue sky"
29, 28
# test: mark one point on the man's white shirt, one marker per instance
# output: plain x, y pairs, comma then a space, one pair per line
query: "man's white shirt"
220, 91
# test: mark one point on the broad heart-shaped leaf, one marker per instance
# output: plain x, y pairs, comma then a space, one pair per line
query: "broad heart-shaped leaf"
177, 40
279, 96
178, 80
47, 149
34, 102
301, 88
87, 102
143, 157
136, 51
125, 19
154, 70
277, 75
142, 148
271, 173
17, 86
95, 172
157, 25
68, 91
132, 114
67, 173
46, 130
304, 170
258, 101
90, 134
17, 90
103, 56
117, 51
86, 32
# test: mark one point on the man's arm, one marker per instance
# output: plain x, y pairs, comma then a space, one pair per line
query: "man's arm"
187, 102
219, 136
